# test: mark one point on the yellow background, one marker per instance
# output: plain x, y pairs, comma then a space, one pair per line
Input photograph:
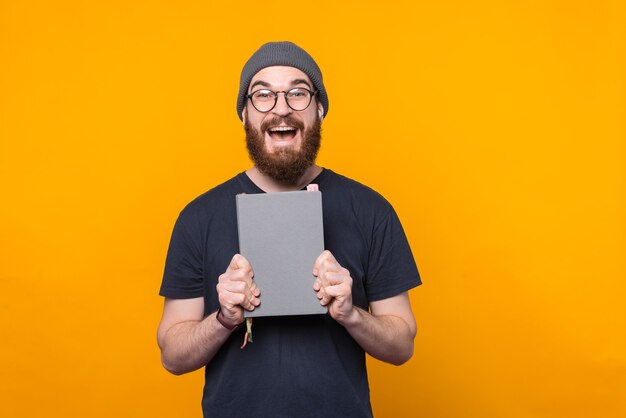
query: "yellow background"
496, 129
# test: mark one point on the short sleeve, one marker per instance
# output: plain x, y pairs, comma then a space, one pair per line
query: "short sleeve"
183, 276
391, 268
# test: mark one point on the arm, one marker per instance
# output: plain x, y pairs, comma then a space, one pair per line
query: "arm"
186, 339
386, 333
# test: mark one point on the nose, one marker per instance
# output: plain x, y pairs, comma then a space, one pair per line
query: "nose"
281, 108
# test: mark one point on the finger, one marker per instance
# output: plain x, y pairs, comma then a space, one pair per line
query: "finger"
323, 297
325, 255
239, 262
248, 289
240, 275
236, 281
325, 264
249, 298
251, 304
253, 295
323, 277
242, 300
254, 289
339, 291
329, 264
334, 278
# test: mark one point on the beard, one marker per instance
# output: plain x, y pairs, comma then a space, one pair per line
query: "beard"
284, 165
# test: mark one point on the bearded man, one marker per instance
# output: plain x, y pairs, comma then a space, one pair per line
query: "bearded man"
299, 366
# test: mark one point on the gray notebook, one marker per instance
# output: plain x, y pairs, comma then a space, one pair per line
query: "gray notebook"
281, 234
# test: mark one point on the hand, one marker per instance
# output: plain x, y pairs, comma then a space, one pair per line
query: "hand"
333, 285
236, 290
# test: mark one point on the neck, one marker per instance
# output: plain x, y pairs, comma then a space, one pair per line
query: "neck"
269, 185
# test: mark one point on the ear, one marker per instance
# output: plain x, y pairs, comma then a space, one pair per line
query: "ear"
243, 115
320, 111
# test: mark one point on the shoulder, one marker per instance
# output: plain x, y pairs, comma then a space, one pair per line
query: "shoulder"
359, 195
212, 201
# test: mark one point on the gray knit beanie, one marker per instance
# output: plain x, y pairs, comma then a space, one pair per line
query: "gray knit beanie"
280, 53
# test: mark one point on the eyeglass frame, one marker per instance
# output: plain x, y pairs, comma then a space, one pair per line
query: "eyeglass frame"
311, 93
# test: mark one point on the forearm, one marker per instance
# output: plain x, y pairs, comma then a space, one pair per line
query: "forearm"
190, 345
386, 337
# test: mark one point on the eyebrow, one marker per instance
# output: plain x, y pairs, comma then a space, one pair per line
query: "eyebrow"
293, 83
300, 81
259, 83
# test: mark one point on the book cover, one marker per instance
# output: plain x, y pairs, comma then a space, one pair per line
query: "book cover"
282, 234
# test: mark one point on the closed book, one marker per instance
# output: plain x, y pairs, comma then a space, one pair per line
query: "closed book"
281, 235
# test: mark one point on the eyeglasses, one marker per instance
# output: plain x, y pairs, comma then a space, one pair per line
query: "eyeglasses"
297, 99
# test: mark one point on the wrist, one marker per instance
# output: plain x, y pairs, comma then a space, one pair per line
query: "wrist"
220, 318
352, 318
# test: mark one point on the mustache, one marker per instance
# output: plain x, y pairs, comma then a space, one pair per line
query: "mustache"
280, 120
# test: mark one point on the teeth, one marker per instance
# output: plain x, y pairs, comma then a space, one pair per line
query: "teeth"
282, 129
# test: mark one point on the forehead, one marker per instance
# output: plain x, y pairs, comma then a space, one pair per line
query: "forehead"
280, 76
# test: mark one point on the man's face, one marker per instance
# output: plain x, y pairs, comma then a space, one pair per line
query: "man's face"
283, 142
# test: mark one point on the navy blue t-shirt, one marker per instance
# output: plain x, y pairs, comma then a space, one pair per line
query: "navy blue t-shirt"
299, 366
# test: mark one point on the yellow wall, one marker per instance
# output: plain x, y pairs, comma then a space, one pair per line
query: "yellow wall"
496, 128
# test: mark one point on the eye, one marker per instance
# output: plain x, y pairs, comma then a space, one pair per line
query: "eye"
298, 93
263, 94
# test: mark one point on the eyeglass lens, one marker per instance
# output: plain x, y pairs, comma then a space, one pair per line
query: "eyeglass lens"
265, 100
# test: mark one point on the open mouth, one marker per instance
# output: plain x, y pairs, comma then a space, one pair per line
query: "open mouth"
282, 133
